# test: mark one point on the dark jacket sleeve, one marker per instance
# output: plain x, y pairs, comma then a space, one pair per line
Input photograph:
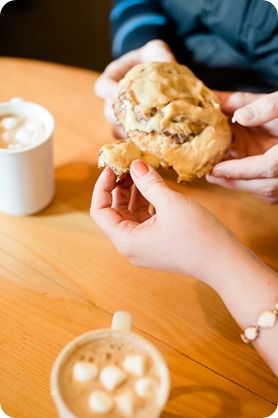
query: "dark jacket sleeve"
134, 23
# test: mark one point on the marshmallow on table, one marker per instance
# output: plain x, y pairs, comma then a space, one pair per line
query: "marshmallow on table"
101, 402
112, 376
84, 371
135, 364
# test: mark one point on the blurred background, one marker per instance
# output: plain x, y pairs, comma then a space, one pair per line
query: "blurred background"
63, 31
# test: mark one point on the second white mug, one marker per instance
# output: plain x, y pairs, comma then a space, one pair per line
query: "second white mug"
27, 174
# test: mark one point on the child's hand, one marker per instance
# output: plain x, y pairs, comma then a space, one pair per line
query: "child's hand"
178, 235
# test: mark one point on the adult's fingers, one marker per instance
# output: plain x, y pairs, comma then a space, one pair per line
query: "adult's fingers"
156, 50
260, 111
258, 166
257, 175
109, 112
266, 189
106, 85
231, 101
118, 132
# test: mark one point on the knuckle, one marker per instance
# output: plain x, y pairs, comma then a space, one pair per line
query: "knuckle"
273, 201
155, 42
151, 184
241, 96
270, 192
272, 171
270, 162
134, 261
269, 104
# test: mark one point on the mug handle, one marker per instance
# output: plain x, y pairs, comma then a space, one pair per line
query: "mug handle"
122, 321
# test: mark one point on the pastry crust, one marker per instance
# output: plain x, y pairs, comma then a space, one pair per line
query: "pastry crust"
171, 119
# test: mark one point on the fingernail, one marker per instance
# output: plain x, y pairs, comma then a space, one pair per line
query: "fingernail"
139, 168
247, 113
217, 172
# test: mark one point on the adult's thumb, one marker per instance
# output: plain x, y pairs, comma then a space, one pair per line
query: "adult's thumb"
148, 182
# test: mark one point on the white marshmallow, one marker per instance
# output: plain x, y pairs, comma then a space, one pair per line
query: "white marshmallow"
101, 402
7, 136
24, 136
111, 377
125, 403
9, 122
84, 371
135, 364
145, 387
35, 126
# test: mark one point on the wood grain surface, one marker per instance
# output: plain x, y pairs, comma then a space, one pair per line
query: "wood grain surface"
60, 276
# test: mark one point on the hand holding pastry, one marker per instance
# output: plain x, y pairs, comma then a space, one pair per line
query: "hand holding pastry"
253, 159
106, 85
167, 238
181, 236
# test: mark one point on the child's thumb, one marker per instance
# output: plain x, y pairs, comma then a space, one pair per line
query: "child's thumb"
148, 181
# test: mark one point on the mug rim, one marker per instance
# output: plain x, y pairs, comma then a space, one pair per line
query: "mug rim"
21, 106
86, 337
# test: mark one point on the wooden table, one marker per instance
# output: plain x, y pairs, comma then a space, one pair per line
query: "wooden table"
60, 276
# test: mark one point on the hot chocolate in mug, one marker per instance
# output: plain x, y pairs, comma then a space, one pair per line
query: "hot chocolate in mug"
26, 158
111, 372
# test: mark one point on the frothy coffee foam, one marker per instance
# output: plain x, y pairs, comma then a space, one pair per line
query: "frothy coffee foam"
20, 131
111, 377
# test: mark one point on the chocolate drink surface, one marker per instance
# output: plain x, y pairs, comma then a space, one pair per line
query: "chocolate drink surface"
113, 375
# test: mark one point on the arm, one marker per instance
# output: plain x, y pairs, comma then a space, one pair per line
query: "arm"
176, 236
252, 164
136, 22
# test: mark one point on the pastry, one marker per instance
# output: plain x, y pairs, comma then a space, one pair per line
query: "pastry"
170, 119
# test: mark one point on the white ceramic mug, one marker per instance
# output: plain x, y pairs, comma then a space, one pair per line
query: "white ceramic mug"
27, 175
120, 330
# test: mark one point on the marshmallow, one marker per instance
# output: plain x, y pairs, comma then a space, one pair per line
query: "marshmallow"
111, 377
145, 387
7, 136
35, 126
125, 403
101, 402
84, 371
24, 136
9, 122
135, 364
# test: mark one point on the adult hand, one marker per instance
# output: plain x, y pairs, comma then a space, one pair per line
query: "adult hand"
252, 164
174, 236
106, 85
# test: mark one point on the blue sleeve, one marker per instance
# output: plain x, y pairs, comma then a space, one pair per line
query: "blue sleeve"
134, 23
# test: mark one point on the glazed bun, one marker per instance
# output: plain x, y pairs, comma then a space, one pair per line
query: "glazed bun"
170, 119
